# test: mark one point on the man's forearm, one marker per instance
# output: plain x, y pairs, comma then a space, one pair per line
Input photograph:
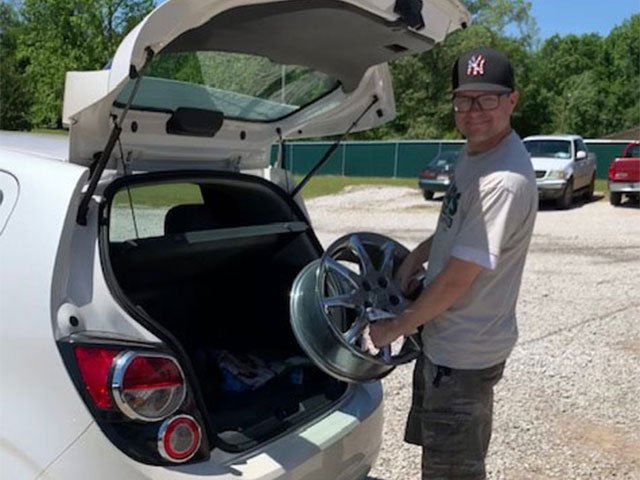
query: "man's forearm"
448, 287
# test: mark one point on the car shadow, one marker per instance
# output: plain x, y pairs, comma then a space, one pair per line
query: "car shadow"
579, 202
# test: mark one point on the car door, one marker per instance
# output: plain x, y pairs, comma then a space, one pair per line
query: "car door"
580, 167
8, 197
589, 162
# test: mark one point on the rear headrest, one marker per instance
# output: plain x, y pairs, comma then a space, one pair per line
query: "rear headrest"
189, 218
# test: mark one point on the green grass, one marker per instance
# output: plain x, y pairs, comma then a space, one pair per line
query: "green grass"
601, 185
329, 184
160, 195
174, 194
53, 131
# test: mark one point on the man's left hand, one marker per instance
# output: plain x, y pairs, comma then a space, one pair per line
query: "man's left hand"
383, 332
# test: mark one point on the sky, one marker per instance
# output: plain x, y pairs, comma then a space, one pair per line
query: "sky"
581, 16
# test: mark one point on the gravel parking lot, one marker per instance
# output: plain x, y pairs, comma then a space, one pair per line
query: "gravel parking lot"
567, 407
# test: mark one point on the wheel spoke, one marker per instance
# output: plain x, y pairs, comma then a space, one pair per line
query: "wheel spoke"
355, 331
358, 248
385, 353
414, 342
347, 301
386, 268
340, 269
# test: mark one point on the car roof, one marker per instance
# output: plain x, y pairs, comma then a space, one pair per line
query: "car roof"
553, 137
52, 146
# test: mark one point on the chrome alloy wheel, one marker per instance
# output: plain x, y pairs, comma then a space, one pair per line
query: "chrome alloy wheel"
335, 298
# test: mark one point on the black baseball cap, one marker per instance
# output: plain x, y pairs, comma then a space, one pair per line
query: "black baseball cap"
483, 69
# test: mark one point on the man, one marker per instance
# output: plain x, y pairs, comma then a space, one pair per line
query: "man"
476, 259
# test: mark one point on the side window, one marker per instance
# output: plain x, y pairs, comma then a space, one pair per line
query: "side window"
146, 211
8, 198
582, 146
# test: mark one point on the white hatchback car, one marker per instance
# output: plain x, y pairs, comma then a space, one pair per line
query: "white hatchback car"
160, 280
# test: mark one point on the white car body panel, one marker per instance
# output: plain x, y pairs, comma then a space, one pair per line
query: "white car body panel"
339, 446
40, 411
9, 191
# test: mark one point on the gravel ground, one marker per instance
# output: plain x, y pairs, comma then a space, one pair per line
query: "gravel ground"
567, 407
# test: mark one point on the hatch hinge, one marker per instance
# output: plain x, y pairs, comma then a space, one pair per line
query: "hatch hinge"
101, 163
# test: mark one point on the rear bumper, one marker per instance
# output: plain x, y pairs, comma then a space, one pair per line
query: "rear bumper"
342, 445
434, 185
624, 187
550, 188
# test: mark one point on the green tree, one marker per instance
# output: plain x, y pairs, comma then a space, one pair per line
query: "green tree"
621, 76
14, 93
63, 35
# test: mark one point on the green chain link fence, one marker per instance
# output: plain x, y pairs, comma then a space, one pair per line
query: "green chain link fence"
401, 158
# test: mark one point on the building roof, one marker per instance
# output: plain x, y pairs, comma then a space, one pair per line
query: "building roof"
632, 133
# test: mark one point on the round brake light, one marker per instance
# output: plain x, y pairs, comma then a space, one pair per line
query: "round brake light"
179, 438
147, 387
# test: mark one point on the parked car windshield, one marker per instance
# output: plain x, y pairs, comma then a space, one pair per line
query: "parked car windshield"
241, 86
549, 148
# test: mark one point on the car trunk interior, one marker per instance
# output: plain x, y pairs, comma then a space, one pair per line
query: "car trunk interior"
218, 279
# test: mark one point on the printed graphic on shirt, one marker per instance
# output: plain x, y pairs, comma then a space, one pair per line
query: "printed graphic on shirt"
450, 205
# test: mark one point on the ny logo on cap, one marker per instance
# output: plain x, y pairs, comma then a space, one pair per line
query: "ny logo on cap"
475, 66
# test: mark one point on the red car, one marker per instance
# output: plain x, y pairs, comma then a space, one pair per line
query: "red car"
624, 175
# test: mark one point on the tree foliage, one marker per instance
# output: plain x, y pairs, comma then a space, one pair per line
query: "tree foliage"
62, 35
15, 98
584, 84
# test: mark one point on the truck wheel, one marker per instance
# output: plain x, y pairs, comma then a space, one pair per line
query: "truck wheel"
615, 198
566, 199
428, 194
588, 194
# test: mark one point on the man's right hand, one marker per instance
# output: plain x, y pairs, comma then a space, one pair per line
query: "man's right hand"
409, 275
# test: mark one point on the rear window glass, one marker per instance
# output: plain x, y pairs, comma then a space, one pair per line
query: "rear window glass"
633, 151
155, 210
241, 86
549, 148
142, 211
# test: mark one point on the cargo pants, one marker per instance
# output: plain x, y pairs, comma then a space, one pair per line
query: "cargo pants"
450, 417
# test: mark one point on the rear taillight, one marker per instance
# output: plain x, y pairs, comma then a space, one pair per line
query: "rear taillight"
94, 365
612, 170
179, 438
140, 398
428, 174
147, 387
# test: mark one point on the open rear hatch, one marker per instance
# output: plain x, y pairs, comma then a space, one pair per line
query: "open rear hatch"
225, 80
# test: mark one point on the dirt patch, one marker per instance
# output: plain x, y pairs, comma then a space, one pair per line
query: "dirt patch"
603, 438
630, 346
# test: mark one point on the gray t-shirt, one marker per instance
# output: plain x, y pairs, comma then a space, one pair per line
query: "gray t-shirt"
487, 218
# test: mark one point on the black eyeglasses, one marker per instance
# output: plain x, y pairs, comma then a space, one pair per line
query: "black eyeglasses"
464, 104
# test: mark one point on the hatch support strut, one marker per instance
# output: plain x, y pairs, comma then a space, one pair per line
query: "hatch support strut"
101, 163
332, 149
